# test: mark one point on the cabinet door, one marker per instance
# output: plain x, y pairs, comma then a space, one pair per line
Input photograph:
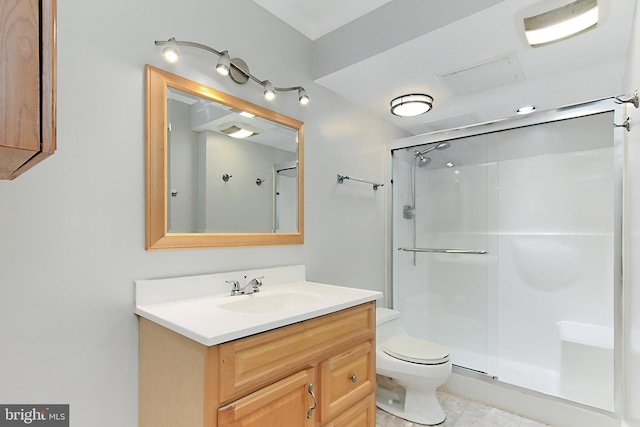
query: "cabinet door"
20, 83
283, 404
346, 379
27, 84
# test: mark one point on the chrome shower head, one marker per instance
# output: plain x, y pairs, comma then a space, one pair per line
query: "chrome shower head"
424, 161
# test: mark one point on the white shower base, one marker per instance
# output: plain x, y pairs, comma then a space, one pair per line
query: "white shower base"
568, 382
548, 410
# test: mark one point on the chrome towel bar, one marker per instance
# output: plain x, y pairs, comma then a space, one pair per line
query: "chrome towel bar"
446, 251
341, 179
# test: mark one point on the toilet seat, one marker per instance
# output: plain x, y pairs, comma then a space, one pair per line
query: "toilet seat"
416, 350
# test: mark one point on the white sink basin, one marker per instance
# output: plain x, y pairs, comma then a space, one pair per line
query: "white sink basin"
187, 306
267, 303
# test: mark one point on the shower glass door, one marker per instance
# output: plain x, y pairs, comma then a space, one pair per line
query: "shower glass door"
506, 250
441, 227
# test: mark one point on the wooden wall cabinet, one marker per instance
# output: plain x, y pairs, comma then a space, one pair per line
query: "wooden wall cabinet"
265, 379
27, 84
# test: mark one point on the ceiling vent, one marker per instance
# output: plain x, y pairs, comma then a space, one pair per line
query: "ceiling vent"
483, 76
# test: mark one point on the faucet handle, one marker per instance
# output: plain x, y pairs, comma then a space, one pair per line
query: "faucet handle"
253, 285
236, 286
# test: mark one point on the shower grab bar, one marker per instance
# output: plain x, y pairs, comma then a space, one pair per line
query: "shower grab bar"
446, 251
341, 179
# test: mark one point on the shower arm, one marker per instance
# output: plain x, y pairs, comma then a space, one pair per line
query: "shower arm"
441, 146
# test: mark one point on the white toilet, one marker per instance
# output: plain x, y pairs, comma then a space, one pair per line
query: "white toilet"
408, 371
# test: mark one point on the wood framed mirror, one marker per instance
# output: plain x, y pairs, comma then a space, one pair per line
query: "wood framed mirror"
208, 186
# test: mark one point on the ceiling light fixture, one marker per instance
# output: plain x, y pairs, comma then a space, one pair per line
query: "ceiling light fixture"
238, 131
561, 23
235, 68
526, 109
412, 104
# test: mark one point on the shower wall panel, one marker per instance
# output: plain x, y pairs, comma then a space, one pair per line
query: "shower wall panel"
555, 246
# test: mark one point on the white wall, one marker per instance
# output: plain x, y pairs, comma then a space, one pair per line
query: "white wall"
239, 204
632, 234
72, 229
183, 170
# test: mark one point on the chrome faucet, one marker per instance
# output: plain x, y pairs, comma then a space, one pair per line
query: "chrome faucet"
251, 287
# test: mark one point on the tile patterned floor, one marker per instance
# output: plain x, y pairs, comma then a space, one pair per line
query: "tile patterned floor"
462, 412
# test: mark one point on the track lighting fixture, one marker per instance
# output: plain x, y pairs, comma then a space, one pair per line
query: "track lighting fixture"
269, 92
235, 68
171, 52
224, 64
303, 98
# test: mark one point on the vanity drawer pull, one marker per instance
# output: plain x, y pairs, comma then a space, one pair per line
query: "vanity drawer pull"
354, 378
315, 402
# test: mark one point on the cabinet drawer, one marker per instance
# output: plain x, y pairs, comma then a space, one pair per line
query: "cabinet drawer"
253, 362
362, 414
346, 379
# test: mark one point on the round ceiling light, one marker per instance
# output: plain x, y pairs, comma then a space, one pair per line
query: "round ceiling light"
526, 109
412, 104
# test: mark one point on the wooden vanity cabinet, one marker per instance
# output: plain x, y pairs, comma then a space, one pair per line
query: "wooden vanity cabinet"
265, 379
28, 84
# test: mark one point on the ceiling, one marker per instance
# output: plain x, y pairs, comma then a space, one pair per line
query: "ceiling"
470, 55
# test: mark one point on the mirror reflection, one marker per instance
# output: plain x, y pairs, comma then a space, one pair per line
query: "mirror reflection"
229, 170
221, 171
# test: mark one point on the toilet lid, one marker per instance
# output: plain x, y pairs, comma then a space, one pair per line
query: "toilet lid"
415, 350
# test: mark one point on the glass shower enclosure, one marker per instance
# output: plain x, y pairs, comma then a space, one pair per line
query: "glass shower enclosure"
506, 243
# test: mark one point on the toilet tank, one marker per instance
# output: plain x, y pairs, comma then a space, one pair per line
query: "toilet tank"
388, 324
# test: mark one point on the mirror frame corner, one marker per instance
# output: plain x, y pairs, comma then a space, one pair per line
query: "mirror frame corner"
157, 234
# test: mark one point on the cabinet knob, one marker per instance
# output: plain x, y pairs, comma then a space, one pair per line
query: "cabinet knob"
354, 378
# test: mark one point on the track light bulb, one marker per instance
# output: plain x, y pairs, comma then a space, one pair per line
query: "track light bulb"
171, 52
224, 63
269, 91
303, 98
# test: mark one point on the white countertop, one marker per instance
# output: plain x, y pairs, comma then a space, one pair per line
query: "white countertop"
213, 319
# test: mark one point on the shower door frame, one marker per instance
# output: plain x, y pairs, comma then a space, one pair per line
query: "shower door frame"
539, 118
